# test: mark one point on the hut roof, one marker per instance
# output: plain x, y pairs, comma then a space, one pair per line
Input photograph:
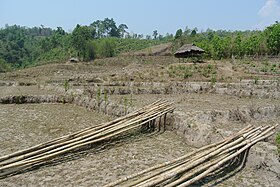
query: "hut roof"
188, 50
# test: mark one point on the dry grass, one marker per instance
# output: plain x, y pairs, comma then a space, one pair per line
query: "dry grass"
22, 126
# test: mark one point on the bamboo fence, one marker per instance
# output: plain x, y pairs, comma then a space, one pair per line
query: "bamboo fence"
44, 152
193, 167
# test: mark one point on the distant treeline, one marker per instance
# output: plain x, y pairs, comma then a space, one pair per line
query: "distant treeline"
23, 46
225, 44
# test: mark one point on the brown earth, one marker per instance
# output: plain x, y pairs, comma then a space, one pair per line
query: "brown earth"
29, 124
211, 116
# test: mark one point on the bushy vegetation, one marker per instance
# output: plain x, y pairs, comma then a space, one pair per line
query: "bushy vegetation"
22, 46
188, 70
223, 44
4, 66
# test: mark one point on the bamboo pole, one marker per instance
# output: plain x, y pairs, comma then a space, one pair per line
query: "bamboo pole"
200, 162
61, 150
213, 145
227, 152
72, 140
205, 173
109, 130
249, 137
168, 168
197, 170
60, 139
156, 180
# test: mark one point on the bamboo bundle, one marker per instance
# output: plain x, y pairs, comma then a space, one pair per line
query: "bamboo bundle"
197, 165
44, 152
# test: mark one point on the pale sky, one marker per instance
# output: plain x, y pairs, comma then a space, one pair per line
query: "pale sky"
143, 16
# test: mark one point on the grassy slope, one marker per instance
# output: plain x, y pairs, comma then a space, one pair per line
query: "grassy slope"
131, 45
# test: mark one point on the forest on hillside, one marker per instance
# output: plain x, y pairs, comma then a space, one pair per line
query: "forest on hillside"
22, 46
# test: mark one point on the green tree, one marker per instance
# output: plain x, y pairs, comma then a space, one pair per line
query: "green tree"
148, 37
106, 48
90, 51
178, 34
122, 29
107, 28
217, 43
97, 29
187, 31
79, 40
237, 48
273, 38
111, 28
194, 32
4, 66
155, 34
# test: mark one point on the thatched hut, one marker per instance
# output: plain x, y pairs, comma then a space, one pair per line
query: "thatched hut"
188, 50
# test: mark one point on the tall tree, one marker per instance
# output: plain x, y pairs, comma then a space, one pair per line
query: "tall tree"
111, 29
148, 37
97, 29
107, 28
155, 34
273, 38
80, 37
178, 34
194, 31
122, 29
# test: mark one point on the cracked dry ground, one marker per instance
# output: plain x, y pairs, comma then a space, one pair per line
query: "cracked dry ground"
22, 126
25, 125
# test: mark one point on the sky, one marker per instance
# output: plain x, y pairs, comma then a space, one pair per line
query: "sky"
143, 16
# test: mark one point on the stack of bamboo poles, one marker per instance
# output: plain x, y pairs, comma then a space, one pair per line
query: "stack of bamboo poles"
39, 154
199, 164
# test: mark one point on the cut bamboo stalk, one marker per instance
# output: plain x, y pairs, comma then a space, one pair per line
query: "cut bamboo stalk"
58, 140
74, 139
242, 142
197, 170
169, 167
185, 167
200, 162
247, 128
205, 173
227, 147
49, 155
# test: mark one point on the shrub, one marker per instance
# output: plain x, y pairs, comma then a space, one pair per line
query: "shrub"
54, 55
90, 52
187, 73
213, 79
264, 68
66, 85
277, 141
208, 70
4, 67
181, 71
104, 47
256, 80
98, 96
125, 103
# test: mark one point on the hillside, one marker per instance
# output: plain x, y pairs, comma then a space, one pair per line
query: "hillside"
87, 120
24, 47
